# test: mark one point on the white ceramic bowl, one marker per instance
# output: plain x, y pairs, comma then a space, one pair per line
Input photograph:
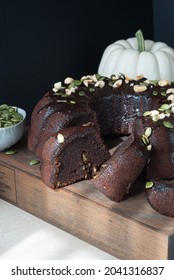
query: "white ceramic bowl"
12, 134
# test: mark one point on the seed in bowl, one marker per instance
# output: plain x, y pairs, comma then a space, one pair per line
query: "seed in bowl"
9, 115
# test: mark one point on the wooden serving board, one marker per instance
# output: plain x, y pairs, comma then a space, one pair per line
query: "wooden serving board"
127, 230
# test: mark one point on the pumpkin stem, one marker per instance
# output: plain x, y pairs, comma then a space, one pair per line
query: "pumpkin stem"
140, 41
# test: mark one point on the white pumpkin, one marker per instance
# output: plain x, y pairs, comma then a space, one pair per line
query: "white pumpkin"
136, 56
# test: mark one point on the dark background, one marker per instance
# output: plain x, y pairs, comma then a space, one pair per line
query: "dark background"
45, 41
163, 13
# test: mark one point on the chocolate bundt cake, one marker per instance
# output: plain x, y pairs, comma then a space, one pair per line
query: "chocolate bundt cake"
82, 112
160, 196
122, 169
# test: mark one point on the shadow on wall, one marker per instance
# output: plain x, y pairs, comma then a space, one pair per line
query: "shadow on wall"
45, 41
163, 21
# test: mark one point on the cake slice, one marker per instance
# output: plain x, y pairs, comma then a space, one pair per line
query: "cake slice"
122, 169
71, 155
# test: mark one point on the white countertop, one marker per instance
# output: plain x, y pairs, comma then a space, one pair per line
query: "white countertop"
26, 237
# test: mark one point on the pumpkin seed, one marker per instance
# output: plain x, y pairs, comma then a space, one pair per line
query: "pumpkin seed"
9, 115
91, 89
68, 80
84, 157
154, 82
8, 124
144, 84
163, 93
165, 107
99, 77
145, 139
72, 101
60, 138
149, 147
111, 83
168, 124
81, 93
64, 95
149, 185
10, 152
11, 109
61, 100
155, 93
155, 118
34, 162
163, 83
148, 132
75, 83
58, 93
169, 111
138, 88
113, 77
3, 106
147, 113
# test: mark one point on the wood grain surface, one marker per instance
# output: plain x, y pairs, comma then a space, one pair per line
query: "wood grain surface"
128, 230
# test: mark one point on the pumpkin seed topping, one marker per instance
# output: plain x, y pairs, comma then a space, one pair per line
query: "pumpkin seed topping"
145, 139
60, 138
34, 162
153, 82
118, 83
10, 152
81, 93
61, 100
91, 89
148, 132
149, 185
147, 113
84, 157
140, 88
149, 147
170, 90
163, 93
57, 86
139, 77
155, 93
126, 81
155, 118
143, 84
111, 82
58, 93
171, 98
94, 170
87, 82
87, 124
164, 107
163, 83
113, 77
72, 101
161, 116
68, 80
100, 84
168, 124
128, 78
